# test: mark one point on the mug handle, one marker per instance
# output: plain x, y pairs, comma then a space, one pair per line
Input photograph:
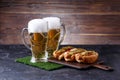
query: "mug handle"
23, 38
63, 32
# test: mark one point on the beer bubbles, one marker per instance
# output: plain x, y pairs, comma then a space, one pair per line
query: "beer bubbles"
53, 34
44, 37
37, 29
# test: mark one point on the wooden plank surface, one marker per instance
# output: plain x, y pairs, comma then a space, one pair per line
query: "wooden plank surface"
87, 21
88, 8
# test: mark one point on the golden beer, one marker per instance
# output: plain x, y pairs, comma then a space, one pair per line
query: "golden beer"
53, 40
45, 35
38, 44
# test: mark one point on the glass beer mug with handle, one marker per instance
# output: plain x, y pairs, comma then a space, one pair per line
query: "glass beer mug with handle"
37, 31
56, 33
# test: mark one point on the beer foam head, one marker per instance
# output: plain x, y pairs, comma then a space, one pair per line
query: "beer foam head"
37, 25
53, 22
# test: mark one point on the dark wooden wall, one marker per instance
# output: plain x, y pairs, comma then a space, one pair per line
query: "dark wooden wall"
87, 21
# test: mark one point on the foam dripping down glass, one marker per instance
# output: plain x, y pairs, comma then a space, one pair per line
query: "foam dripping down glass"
45, 36
37, 32
56, 33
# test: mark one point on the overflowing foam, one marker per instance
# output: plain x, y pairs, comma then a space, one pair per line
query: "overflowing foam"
37, 25
53, 22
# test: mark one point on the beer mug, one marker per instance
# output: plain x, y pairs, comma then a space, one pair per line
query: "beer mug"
56, 33
37, 32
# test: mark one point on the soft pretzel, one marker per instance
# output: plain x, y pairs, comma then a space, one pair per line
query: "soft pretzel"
70, 55
57, 53
76, 54
86, 57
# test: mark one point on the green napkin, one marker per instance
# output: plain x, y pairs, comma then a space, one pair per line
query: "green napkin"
43, 65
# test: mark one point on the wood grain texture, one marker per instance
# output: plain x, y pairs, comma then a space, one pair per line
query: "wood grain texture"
87, 21
88, 8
